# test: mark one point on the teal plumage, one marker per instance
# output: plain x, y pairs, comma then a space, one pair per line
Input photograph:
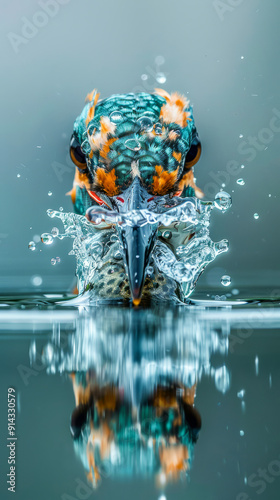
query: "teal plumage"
134, 134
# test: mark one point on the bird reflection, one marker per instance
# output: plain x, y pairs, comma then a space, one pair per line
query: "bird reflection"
156, 436
135, 374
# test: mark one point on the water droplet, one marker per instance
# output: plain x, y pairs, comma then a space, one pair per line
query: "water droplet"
60, 209
270, 380
242, 57
242, 166
97, 249
55, 231
235, 291
116, 117
58, 259
226, 280
53, 262
160, 78
241, 394
158, 128
86, 147
241, 136
146, 123
51, 213
240, 182
256, 216
149, 270
49, 193
222, 246
159, 60
36, 280
47, 354
18, 176
162, 478
223, 185
90, 130
36, 238
118, 255
222, 379
46, 238
167, 235
114, 238
257, 365
32, 246
132, 144
144, 77
269, 195
32, 351
223, 201
242, 433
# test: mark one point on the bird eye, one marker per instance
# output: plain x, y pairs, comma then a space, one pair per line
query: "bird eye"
193, 155
76, 154
192, 418
78, 420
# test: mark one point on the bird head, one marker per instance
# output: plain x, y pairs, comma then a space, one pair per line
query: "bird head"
134, 154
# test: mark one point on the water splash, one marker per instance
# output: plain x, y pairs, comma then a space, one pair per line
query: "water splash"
182, 250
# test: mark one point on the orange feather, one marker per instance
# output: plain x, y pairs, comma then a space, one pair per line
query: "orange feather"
107, 181
177, 156
91, 110
174, 109
164, 181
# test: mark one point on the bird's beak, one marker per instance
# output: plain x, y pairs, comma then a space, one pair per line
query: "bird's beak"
138, 239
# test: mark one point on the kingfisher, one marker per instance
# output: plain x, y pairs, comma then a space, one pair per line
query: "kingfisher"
134, 154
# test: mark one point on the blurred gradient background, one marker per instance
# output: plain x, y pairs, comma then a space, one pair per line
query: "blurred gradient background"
224, 57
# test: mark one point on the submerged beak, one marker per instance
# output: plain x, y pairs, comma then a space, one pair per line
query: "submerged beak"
138, 238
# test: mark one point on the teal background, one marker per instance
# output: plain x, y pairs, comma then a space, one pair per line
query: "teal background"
109, 45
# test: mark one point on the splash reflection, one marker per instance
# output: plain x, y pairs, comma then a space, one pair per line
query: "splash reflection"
135, 382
